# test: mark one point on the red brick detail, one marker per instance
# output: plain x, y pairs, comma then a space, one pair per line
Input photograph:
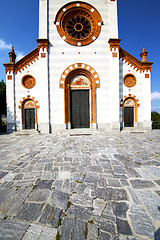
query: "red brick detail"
114, 54
146, 75
43, 55
134, 62
27, 60
22, 103
43, 43
9, 77
91, 74
136, 105
86, 10
114, 43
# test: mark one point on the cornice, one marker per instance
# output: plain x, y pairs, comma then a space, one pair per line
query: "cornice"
27, 60
114, 43
138, 65
43, 43
9, 67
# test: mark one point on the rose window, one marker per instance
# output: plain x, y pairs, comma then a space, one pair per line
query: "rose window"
78, 27
78, 23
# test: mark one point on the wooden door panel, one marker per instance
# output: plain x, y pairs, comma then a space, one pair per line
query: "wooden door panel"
79, 108
128, 116
29, 118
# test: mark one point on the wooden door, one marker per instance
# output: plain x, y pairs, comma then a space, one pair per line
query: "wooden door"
79, 109
129, 116
29, 116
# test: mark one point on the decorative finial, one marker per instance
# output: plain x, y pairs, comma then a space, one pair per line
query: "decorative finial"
144, 55
12, 55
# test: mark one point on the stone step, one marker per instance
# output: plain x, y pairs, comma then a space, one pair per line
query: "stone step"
26, 132
133, 129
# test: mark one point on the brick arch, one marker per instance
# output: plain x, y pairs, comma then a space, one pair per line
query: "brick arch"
136, 105
91, 74
86, 9
22, 103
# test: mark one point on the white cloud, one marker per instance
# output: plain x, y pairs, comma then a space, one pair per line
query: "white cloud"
154, 107
19, 55
4, 45
155, 96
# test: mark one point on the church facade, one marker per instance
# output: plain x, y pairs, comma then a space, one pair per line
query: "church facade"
78, 76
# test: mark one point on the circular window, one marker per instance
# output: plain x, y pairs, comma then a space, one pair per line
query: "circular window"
78, 23
28, 81
129, 80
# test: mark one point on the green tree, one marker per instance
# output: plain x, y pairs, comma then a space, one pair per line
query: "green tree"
2, 102
2, 88
155, 117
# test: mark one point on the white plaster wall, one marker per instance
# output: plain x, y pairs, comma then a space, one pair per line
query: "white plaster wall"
142, 91
96, 54
43, 19
10, 102
21, 91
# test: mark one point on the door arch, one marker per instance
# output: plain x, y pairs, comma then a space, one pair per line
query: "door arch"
29, 115
79, 102
129, 113
29, 108
129, 110
80, 69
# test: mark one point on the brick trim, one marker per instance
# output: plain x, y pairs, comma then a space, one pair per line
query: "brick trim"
22, 103
91, 74
134, 62
135, 106
91, 12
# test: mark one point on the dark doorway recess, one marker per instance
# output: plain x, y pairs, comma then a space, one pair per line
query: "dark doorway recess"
79, 109
129, 116
29, 117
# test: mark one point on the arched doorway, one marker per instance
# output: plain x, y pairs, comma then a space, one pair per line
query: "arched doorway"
129, 107
80, 81
29, 115
80, 102
29, 106
129, 111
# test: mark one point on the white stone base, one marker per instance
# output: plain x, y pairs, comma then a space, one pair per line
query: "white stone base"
146, 125
10, 127
44, 128
113, 126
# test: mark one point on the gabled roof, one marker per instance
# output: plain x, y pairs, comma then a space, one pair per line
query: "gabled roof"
138, 65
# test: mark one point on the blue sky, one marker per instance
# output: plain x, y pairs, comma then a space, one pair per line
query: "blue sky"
139, 22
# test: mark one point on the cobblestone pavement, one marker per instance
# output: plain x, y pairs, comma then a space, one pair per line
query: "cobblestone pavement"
80, 186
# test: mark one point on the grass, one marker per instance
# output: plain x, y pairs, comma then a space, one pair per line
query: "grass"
86, 231
58, 236
34, 187
68, 205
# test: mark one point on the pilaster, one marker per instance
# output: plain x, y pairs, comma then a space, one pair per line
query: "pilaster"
114, 87
43, 18
113, 19
10, 98
10, 92
43, 116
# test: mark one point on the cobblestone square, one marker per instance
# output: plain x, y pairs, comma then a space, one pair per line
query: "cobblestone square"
80, 185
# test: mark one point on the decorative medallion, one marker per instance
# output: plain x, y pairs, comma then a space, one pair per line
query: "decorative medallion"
129, 80
129, 102
28, 81
29, 104
80, 81
78, 23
